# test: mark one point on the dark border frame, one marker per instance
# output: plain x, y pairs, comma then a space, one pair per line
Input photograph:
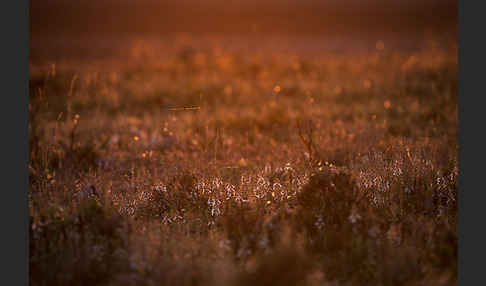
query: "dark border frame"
471, 144
14, 212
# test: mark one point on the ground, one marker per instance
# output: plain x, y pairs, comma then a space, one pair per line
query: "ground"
221, 162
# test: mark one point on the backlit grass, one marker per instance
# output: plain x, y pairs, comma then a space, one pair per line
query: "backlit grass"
237, 167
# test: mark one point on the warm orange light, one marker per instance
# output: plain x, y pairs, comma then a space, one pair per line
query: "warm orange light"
367, 83
380, 45
338, 90
228, 90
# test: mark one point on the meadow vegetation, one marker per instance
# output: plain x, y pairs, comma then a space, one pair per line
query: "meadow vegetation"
220, 166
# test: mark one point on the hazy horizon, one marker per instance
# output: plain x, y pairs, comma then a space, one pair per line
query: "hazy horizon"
217, 16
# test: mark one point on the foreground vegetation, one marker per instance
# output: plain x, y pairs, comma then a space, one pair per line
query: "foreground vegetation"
225, 167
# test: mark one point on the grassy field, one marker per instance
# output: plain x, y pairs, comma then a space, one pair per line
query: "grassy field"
216, 165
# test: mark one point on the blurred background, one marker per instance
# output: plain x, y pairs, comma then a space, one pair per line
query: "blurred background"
98, 28
239, 16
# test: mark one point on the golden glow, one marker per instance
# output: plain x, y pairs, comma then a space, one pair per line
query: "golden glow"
367, 83
338, 90
387, 104
228, 90
243, 162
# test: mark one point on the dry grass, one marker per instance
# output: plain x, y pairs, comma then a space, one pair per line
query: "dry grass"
335, 169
